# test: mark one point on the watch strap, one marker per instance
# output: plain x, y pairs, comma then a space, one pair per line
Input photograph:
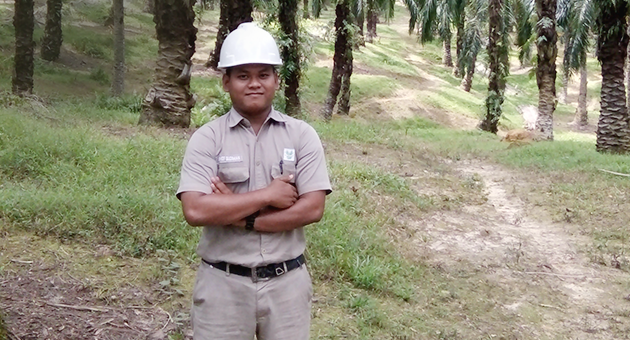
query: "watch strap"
249, 221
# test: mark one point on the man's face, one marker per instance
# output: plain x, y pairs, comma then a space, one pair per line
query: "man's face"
251, 87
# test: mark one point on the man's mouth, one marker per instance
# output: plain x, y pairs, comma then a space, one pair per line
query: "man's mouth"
254, 94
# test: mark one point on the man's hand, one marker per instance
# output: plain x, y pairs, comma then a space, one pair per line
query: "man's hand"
218, 187
282, 194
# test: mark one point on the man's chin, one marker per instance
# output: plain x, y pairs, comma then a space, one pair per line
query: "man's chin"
256, 109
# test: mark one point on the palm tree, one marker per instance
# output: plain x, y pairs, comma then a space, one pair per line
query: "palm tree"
524, 19
287, 16
233, 13
23, 22
439, 15
373, 8
305, 14
118, 80
169, 101
546, 69
613, 131
578, 22
342, 62
51, 43
472, 41
498, 45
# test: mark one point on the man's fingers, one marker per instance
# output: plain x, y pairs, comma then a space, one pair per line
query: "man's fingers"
218, 187
223, 188
286, 178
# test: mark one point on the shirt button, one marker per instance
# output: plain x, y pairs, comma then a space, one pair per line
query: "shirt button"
258, 163
264, 251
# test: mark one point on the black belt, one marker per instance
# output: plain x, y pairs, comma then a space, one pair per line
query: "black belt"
262, 273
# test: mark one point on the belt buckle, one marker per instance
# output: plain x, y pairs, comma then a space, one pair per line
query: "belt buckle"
256, 278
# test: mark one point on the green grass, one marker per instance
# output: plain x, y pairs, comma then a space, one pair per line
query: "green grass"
75, 183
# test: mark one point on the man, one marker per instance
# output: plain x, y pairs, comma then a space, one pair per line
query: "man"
252, 178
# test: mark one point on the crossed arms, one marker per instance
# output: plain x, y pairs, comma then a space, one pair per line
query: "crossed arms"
281, 209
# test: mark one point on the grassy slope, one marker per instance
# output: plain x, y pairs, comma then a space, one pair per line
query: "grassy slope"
79, 171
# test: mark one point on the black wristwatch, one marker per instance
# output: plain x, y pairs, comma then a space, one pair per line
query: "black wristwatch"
249, 221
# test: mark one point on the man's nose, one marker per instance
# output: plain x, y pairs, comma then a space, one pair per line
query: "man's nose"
254, 82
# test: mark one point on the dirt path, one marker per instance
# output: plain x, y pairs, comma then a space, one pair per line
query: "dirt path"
540, 262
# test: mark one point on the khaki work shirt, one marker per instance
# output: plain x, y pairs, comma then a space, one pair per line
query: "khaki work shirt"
244, 161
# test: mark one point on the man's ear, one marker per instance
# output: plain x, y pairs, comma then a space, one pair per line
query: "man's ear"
277, 81
225, 80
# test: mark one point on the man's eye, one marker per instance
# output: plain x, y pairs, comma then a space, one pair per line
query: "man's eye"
264, 75
242, 76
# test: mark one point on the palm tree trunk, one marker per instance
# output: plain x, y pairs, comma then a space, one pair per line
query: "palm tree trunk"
458, 71
233, 13
287, 16
562, 96
361, 24
305, 12
149, 6
372, 19
51, 43
118, 81
447, 58
613, 133
546, 70
169, 101
628, 75
23, 22
496, 80
342, 12
581, 114
564, 91
470, 72
344, 102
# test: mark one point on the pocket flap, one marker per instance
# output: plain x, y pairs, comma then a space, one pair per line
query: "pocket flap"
234, 175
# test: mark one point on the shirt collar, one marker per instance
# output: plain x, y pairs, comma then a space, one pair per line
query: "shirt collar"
234, 118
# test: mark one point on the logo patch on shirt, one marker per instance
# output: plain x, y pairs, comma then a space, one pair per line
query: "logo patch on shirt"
289, 155
230, 159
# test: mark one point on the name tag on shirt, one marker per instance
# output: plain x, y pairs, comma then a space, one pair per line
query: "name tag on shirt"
230, 159
289, 155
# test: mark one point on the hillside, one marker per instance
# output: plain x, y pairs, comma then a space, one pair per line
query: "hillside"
434, 230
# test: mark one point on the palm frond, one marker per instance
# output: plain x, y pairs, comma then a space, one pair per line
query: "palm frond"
414, 7
581, 23
316, 7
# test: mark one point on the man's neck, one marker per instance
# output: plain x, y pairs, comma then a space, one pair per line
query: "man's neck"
255, 119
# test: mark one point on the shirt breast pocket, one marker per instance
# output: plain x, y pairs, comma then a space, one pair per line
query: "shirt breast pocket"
233, 174
284, 168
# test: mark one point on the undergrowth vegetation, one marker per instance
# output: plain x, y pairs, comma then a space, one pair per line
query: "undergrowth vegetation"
75, 166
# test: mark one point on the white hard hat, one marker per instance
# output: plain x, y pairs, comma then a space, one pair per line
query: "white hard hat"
249, 44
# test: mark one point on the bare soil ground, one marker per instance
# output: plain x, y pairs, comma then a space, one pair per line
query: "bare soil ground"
49, 290
554, 290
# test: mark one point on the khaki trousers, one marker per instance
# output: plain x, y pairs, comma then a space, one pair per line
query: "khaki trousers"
232, 307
